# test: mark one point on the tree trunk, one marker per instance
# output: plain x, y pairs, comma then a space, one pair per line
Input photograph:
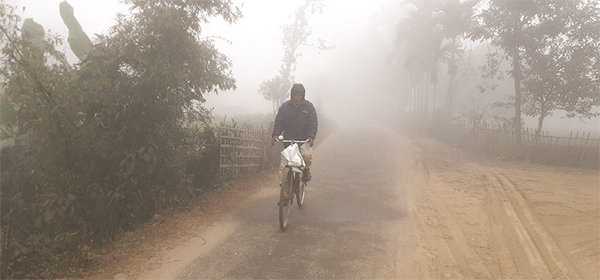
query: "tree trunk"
517, 83
538, 131
426, 101
534, 149
452, 69
433, 101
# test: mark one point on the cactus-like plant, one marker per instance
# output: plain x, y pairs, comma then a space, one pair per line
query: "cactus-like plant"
79, 42
34, 31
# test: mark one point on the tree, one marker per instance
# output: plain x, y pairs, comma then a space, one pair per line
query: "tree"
430, 36
273, 87
562, 62
33, 83
294, 36
455, 18
420, 44
110, 136
503, 24
553, 52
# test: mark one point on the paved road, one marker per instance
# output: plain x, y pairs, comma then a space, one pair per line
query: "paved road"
383, 206
351, 226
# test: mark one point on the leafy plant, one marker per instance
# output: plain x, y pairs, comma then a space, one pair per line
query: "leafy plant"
109, 139
79, 42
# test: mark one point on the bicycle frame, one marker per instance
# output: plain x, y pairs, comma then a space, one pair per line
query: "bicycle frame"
291, 185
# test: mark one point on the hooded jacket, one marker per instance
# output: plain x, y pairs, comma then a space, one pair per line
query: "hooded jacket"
297, 122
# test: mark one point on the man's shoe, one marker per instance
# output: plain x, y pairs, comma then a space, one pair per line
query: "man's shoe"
306, 175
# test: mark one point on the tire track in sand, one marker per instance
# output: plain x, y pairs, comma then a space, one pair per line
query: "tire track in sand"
517, 232
462, 251
449, 251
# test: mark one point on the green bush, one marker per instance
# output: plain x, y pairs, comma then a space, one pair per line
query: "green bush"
104, 144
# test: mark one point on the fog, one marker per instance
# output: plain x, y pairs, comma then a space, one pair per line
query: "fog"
349, 82
353, 81
359, 80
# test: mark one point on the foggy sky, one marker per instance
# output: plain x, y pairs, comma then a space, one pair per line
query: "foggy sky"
356, 80
343, 82
346, 81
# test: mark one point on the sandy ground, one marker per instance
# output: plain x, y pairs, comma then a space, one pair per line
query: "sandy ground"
467, 216
498, 219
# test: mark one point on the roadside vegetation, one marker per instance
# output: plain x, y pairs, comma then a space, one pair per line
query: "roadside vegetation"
535, 58
92, 149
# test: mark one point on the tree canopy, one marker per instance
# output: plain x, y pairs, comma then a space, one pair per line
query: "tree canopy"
552, 48
431, 36
562, 61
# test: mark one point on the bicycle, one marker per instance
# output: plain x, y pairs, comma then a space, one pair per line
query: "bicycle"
292, 185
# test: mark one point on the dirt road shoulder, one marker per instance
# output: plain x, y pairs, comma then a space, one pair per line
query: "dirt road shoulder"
485, 218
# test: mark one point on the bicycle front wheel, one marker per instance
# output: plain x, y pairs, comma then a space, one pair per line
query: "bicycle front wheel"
285, 196
301, 193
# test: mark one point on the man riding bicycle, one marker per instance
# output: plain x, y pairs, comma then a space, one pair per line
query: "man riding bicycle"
297, 119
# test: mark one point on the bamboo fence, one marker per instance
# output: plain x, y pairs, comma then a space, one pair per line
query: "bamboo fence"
244, 151
580, 149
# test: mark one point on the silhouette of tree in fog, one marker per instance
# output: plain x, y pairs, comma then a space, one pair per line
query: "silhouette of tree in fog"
502, 24
429, 36
562, 62
454, 18
294, 35
553, 50
420, 44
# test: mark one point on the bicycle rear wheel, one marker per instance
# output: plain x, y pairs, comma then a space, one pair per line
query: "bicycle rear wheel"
285, 196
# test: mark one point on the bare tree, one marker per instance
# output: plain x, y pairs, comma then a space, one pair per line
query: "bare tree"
295, 35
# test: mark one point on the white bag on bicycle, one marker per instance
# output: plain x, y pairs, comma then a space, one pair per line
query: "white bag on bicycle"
292, 156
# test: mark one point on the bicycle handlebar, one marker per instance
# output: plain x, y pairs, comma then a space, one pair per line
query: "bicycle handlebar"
293, 141
280, 139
